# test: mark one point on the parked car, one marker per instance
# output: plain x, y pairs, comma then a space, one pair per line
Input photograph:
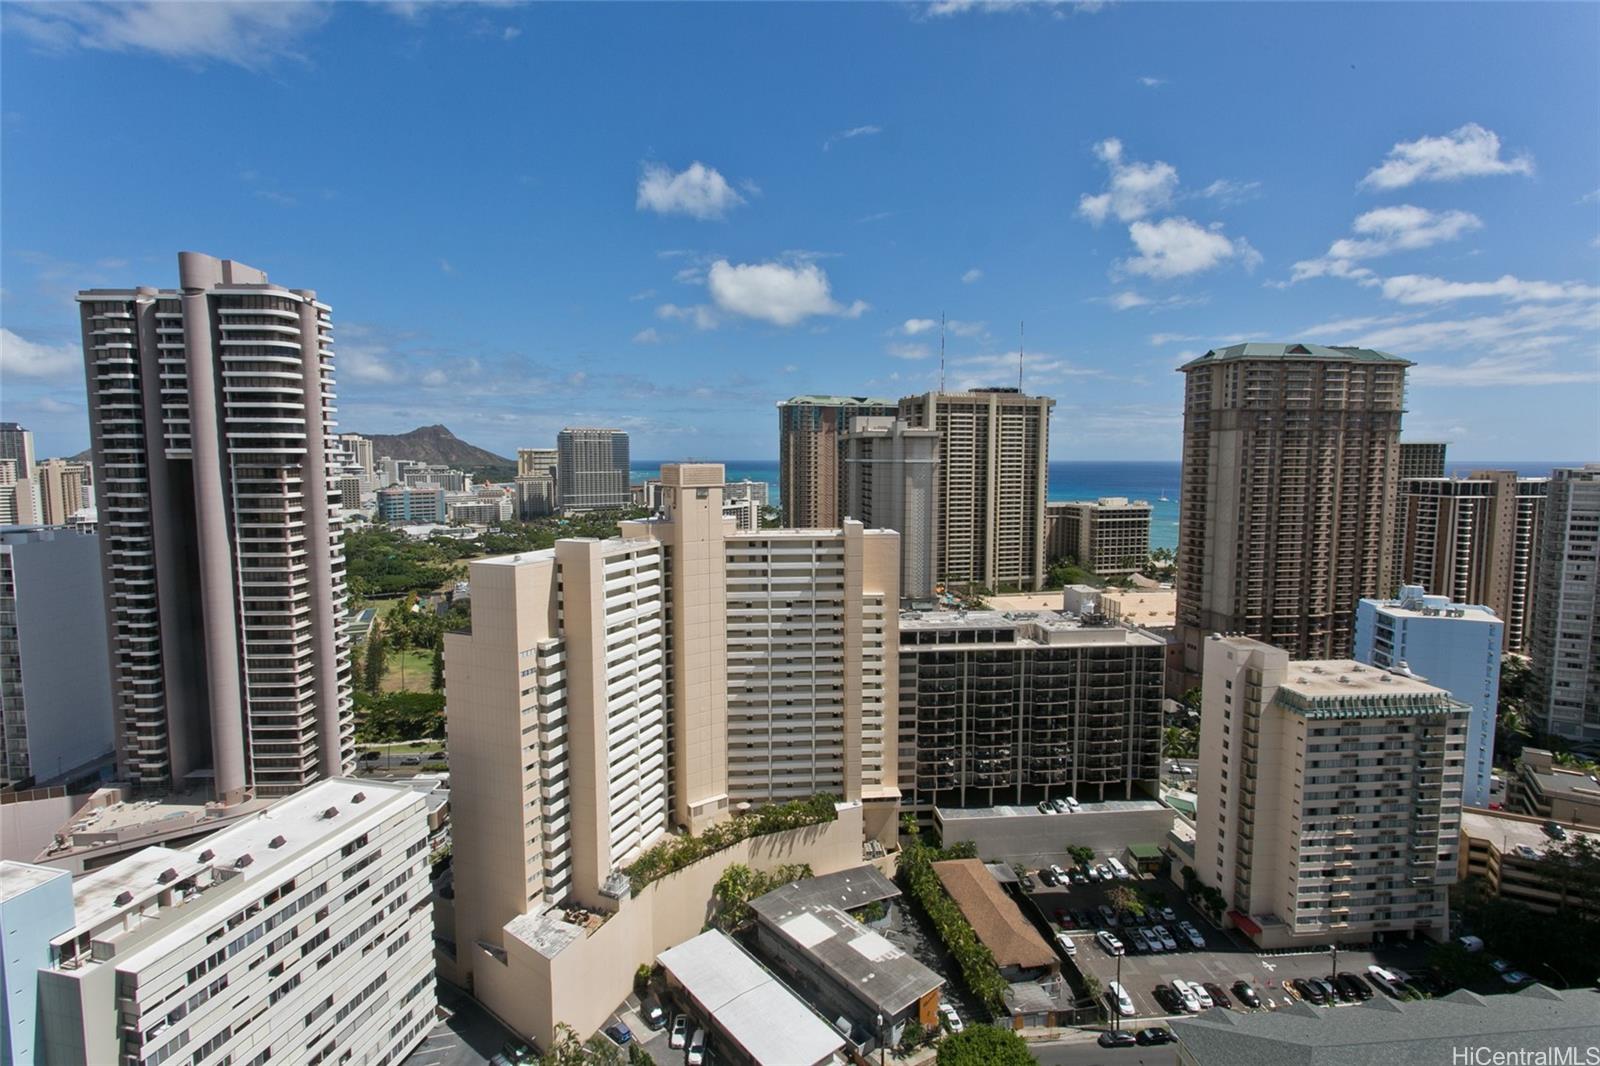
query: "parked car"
1167, 942
1111, 944
680, 1032
1515, 977
1192, 935
1068, 948
1186, 995
1105, 872
1309, 991
1219, 998
1078, 876
438, 756
410, 760
1063, 919
1386, 981
651, 1013
1246, 994
1092, 873
952, 1021
1119, 871
1555, 830
1045, 807
1072, 803
1153, 1036
1134, 940
1170, 1001
1085, 918
1060, 805
518, 1054
1060, 874
1116, 1038
1027, 882
619, 1032
370, 756
696, 1055
1118, 997
1047, 877
1356, 985
1470, 943
1168, 914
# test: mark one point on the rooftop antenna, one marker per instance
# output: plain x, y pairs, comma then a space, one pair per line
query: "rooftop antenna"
1021, 339
941, 351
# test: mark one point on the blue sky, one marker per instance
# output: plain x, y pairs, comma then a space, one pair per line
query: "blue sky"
669, 217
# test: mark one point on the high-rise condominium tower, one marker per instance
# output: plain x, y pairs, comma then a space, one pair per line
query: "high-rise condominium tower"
1474, 540
1421, 459
1565, 640
1290, 458
211, 415
16, 489
536, 482
993, 480
60, 488
592, 469
809, 428
1110, 536
1329, 796
889, 479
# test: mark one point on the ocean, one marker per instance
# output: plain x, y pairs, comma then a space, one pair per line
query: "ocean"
1089, 480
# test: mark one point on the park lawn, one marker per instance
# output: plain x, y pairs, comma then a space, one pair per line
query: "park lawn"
408, 671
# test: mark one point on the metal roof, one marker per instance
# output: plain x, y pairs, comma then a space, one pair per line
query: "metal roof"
1294, 352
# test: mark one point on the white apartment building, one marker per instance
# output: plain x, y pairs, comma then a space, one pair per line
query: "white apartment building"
889, 479
755, 491
1565, 642
746, 514
1329, 797
1109, 536
301, 934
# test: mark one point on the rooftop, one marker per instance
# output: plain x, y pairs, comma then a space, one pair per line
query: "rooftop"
1319, 680
1029, 628
1383, 1031
1414, 603
876, 971
847, 890
1509, 832
19, 877
994, 916
1294, 353
748, 1004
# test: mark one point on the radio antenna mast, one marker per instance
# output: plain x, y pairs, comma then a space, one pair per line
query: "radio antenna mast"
1021, 338
941, 351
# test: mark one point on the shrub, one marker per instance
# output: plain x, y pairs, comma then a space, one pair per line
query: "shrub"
674, 853
976, 962
984, 1045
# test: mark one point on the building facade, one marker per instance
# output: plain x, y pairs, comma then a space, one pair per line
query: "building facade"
592, 469
755, 491
1109, 536
1290, 466
303, 934
360, 450
55, 676
1011, 708
1474, 539
211, 417
35, 904
536, 483
1454, 646
61, 490
1564, 643
992, 484
407, 504
1421, 459
1546, 790
1329, 797
889, 479
809, 428
16, 489
1507, 853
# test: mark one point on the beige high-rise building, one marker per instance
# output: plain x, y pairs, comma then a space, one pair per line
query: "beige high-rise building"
1329, 798
1564, 637
1290, 465
1476, 540
1421, 459
809, 428
592, 469
993, 481
16, 487
889, 479
1109, 536
359, 449
536, 482
62, 489
211, 416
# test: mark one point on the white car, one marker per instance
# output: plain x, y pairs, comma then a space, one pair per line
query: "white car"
680, 1032
1201, 994
1060, 874
1168, 914
1115, 993
1112, 945
1118, 869
1068, 948
1167, 942
697, 1048
1072, 803
1192, 934
1191, 1002
1105, 872
952, 1020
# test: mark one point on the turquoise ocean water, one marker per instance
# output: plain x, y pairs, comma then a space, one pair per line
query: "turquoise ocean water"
1089, 480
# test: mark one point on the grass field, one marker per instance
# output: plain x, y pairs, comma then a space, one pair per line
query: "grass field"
408, 671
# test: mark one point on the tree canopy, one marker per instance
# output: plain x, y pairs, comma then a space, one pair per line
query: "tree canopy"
984, 1045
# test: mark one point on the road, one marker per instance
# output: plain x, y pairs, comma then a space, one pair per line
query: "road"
1083, 1051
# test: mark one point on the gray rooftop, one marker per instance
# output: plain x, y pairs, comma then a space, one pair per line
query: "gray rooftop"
1294, 353
1383, 1032
847, 890
19, 877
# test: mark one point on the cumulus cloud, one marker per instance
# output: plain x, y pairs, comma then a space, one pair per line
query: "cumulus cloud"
1126, 301
366, 363
1133, 190
1531, 344
971, 276
698, 191
1152, 83
1468, 152
647, 336
780, 293
23, 358
1177, 247
1421, 289
850, 134
1384, 231
700, 315
903, 350
249, 35
913, 326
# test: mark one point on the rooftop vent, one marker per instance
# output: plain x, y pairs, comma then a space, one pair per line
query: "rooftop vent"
244, 860
331, 812
124, 898
1344, 679
207, 855
168, 875
277, 841
359, 797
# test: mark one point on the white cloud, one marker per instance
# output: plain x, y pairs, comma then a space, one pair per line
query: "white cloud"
511, 33
1228, 192
367, 364
780, 293
1126, 301
1420, 289
445, 267
1159, 339
1038, 368
647, 336
249, 35
971, 276
913, 326
902, 350
698, 191
946, 8
1152, 83
25, 359
1176, 247
1384, 231
1468, 152
1521, 346
701, 315
850, 134
1134, 190
435, 379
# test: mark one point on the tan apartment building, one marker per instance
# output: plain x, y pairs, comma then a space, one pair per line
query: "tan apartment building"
993, 481
1421, 459
62, 488
1475, 539
1329, 798
888, 479
1506, 852
1109, 536
809, 428
16, 475
1290, 466
1546, 790
211, 417
592, 469
536, 482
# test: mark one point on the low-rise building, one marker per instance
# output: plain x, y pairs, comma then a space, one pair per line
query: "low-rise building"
411, 504
1546, 790
1507, 853
1109, 536
1019, 951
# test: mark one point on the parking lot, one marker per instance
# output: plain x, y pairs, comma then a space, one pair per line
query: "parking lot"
1227, 956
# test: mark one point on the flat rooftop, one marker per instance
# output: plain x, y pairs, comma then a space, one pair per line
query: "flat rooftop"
847, 890
19, 877
877, 972
1509, 832
1030, 628
956, 814
1319, 679
748, 1004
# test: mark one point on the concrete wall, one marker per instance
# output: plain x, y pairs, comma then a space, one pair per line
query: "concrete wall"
581, 983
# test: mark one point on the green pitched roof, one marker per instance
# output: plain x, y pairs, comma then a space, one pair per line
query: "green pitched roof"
1294, 352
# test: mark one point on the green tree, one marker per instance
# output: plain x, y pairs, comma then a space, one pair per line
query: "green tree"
1459, 967
1190, 700
372, 672
912, 1035
984, 1045
600, 1051
1179, 742
1125, 900
1080, 853
638, 1056
1572, 869
438, 669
